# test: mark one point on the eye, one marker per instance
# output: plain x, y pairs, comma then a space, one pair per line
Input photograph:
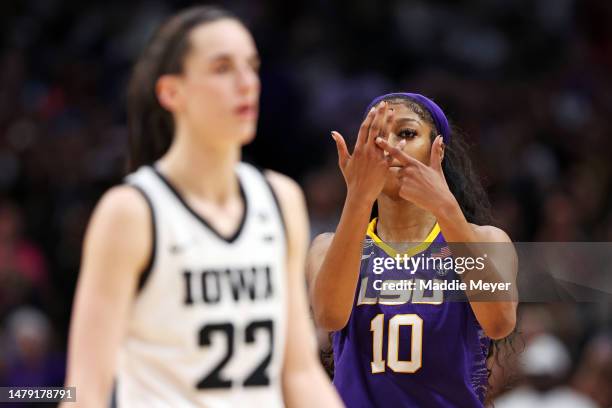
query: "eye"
222, 67
407, 134
255, 65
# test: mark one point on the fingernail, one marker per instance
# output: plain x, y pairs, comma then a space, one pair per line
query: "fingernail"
378, 140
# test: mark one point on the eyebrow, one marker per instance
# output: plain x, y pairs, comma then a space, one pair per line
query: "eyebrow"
407, 120
220, 57
225, 56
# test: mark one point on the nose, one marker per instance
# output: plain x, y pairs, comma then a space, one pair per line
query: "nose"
394, 140
247, 80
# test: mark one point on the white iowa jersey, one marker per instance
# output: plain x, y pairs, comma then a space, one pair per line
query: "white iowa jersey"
207, 327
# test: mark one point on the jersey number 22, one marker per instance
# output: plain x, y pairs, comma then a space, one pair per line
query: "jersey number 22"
259, 376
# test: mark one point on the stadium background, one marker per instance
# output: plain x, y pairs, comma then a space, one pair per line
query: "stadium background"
528, 81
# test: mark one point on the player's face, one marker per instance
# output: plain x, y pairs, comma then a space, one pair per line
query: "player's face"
416, 133
219, 88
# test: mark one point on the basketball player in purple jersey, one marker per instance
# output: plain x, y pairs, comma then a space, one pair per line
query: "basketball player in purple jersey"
408, 348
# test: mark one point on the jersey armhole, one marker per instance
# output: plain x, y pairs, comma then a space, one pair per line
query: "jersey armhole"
146, 272
278, 207
275, 198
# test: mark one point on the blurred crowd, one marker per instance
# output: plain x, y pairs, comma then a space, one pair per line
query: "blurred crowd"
527, 82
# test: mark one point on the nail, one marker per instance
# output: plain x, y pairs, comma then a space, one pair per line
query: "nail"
378, 140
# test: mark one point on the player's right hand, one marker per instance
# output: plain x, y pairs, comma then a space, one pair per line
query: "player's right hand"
365, 171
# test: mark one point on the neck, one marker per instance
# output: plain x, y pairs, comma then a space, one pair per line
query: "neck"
402, 221
204, 170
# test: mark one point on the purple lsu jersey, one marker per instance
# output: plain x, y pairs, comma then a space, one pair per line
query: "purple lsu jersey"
409, 348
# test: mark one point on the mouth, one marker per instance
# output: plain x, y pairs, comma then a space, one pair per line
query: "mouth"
246, 111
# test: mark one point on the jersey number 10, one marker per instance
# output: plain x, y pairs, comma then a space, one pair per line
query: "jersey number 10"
393, 361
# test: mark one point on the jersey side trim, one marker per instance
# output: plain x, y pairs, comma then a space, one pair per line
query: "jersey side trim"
276, 201
144, 275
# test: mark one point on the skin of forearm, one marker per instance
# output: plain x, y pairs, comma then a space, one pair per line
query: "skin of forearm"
334, 286
452, 222
495, 312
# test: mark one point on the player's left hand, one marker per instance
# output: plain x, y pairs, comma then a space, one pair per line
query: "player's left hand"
424, 185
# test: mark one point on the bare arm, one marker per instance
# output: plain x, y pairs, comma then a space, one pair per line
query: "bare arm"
333, 261
425, 185
497, 316
305, 384
333, 266
116, 249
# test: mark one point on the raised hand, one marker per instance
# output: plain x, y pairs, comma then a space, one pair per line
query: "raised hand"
366, 169
424, 185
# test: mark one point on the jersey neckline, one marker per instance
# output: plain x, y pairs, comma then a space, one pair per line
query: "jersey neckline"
201, 219
389, 250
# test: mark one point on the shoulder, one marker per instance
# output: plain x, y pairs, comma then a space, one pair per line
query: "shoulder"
506, 255
489, 233
117, 248
316, 254
123, 204
287, 189
321, 243
293, 208
289, 196
121, 226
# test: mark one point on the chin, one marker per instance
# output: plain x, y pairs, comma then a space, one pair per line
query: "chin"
247, 132
247, 139
391, 188
242, 133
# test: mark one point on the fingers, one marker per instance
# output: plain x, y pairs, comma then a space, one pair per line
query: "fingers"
376, 128
435, 158
365, 127
343, 154
386, 154
387, 125
396, 152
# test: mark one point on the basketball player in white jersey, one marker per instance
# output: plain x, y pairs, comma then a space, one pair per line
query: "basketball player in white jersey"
191, 290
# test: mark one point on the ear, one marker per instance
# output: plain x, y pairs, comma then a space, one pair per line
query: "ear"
167, 89
437, 154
